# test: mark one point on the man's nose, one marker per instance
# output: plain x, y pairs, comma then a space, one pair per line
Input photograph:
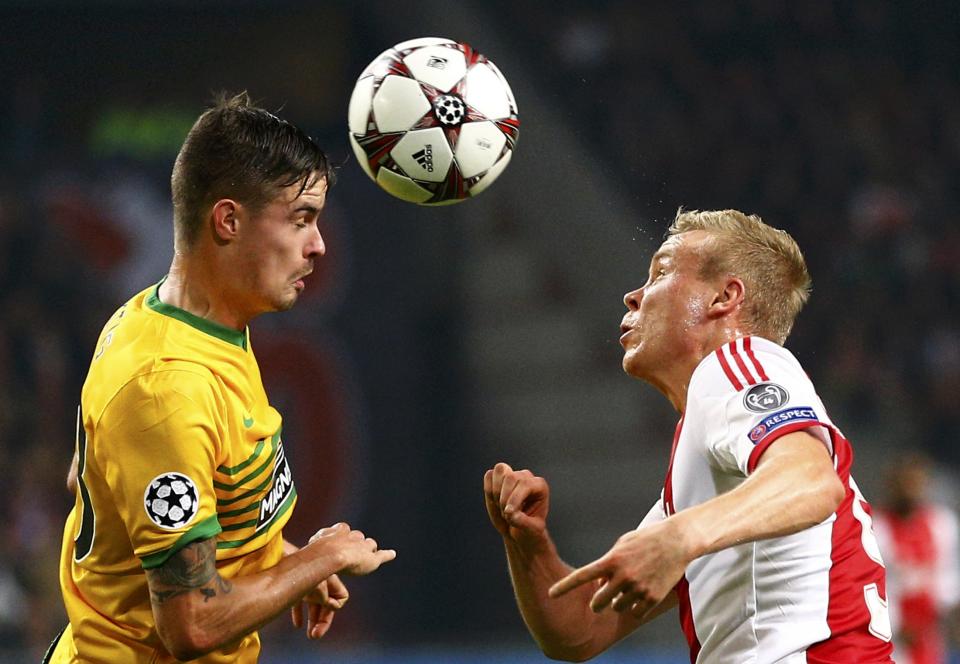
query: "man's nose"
633, 298
316, 247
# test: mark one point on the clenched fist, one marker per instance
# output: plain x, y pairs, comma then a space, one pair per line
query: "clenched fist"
517, 503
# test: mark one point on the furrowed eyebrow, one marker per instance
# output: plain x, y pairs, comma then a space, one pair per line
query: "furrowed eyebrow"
311, 209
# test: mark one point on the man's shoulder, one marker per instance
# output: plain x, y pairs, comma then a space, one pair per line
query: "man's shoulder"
745, 364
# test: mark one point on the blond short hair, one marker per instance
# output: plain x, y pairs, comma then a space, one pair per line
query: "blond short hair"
766, 259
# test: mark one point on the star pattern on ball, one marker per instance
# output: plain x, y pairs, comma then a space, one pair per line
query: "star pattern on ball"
450, 109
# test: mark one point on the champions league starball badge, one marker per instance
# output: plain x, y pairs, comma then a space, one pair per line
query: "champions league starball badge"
171, 500
765, 397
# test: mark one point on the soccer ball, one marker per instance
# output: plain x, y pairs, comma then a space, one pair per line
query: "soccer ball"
432, 121
171, 500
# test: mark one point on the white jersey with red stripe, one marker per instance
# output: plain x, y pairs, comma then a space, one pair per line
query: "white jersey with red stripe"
815, 596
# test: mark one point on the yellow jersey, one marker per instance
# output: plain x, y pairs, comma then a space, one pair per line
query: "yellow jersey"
176, 443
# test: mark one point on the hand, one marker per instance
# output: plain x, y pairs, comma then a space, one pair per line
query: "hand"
359, 554
517, 503
637, 573
322, 603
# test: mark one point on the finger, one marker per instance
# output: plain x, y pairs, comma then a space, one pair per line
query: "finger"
500, 471
320, 621
490, 499
523, 521
641, 609
337, 593
576, 578
329, 530
608, 592
488, 490
296, 614
625, 601
385, 555
357, 535
528, 489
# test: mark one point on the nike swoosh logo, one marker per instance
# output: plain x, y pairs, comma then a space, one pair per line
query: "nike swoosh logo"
247, 421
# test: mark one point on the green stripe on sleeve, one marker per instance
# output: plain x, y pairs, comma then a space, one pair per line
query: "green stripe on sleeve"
238, 512
221, 502
232, 544
223, 486
209, 527
233, 470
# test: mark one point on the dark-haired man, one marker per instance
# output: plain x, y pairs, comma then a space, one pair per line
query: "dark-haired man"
174, 547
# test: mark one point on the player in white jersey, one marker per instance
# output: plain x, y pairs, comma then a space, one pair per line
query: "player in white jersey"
760, 535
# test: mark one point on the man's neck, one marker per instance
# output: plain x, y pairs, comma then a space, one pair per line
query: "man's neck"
674, 382
191, 285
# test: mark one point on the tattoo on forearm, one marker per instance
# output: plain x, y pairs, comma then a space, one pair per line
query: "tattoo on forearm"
191, 568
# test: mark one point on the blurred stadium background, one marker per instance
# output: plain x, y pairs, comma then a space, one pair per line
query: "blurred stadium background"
436, 342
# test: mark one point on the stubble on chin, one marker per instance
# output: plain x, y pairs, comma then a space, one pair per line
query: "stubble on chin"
286, 304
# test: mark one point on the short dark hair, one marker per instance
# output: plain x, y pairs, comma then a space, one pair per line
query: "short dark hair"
237, 150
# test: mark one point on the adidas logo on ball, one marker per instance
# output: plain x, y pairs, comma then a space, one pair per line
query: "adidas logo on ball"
424, 157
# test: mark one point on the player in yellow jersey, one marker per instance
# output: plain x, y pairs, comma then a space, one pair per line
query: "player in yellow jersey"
173, 550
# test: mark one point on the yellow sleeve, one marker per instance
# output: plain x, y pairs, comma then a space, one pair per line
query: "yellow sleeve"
156, 444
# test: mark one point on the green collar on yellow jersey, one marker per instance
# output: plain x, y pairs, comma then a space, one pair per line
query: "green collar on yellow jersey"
206, 326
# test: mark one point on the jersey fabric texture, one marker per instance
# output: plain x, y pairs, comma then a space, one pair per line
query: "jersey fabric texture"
814, 596
176, 443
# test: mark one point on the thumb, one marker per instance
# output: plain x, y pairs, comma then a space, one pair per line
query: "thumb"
522, 520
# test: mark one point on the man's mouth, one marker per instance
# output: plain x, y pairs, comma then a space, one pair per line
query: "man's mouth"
298, 283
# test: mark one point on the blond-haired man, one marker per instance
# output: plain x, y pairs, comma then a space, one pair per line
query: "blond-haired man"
760, 535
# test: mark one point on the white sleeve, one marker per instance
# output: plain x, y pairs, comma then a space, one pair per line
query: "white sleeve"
747, 422
655, 515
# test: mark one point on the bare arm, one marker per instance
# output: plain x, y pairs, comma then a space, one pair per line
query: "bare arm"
72, 474
197, 610
321, 604
793, 488
564, 628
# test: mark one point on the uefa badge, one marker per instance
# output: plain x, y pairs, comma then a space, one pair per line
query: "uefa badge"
171, 500
765, 397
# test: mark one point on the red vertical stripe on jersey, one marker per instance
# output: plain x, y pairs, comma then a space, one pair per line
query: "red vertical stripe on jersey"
727, 370
683, 587
686, 618
753, 358
851, 571
668, 482
740, 363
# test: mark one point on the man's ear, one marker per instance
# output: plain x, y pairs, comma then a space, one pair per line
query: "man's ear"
225, 217
728, 298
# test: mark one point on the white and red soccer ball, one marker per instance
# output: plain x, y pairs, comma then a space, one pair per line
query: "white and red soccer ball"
432, 121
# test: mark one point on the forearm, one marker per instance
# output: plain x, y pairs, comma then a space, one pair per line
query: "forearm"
565, 627
787, 494
196, 615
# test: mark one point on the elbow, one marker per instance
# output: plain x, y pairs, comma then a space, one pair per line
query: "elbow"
566, 653
566, 656
187, 650
186, 641
833, 492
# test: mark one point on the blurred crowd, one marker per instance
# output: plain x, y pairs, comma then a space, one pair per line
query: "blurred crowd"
839, 122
